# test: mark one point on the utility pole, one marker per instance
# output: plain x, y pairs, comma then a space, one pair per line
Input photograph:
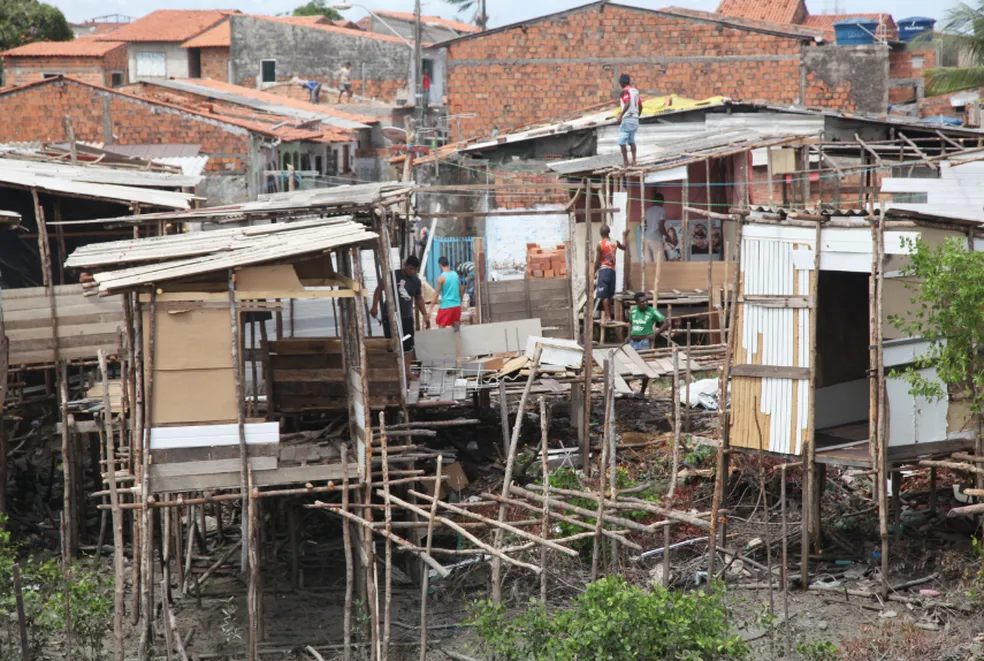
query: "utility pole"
418, 65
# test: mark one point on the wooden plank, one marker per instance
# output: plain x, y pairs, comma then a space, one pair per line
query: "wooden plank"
625, 366
212, 453
621, 386
637, 360
771, 371
783, 302
279, 476
167, 297
210, 467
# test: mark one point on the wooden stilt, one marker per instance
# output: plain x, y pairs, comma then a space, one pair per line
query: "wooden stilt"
68, 547
882, 436
240, 420
106, 430
136, 450
425, 582
671, 489
588, 329
294, 536
811, 493
932, 490
388, 520
349, 569
25, 642
147, 525
609, 391
507, 477
190, 547
784, 570
178, 546
253, 564
545, 481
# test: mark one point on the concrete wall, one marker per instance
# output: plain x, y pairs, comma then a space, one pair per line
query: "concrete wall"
506, 238
317, 53
176, 58
847, 77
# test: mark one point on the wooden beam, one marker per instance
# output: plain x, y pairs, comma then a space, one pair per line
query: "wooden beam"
778, 301
771, 371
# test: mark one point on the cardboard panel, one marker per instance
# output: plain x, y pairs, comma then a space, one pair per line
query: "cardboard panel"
277, 277
191, 339
189, 396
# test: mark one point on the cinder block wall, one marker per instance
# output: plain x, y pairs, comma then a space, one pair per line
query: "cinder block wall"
312, 53
553, 67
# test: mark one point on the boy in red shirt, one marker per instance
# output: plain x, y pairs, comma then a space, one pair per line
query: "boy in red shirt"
605, 268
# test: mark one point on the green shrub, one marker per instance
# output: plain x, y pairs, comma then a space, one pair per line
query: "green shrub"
614, 621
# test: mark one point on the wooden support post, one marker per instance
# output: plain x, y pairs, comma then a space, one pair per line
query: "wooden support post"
425, 582
675, 467
507, 477
240, 420
106, 430
784, 571
932, 490
68, 538
294, 537
255, 593
349, 568
810, 486
588, 330
545, 481
25, 643
609, 391
147, 524
392, 310
882, 436
140, 376
388, 520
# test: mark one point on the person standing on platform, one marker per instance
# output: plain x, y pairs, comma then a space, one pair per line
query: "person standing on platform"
605, 270
409, 293
628, 118
653, 231
448, 293
643, 330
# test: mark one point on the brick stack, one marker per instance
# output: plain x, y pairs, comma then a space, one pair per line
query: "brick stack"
546, 263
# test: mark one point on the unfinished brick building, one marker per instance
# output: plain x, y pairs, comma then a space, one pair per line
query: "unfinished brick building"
97, 62
555, 64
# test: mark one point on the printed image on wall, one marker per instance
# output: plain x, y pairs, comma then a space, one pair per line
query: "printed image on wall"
672, 242
705, 242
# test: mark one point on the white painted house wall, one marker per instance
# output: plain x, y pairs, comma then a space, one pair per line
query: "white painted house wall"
506, 238
176, 59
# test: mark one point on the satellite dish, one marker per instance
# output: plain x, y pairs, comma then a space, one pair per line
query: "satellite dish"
395, 134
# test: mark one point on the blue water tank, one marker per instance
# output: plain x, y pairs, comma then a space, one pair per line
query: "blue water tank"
912, 27
855, 31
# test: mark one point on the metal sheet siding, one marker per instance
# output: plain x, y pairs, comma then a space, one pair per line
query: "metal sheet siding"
771, 413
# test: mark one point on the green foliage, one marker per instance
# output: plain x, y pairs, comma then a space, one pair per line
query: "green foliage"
569, 478
818, 651
26, 21
947, 312
466, 5
318, 8
614, 621
962, 35
43, 590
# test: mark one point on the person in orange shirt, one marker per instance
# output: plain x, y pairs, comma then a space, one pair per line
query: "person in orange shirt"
605, 269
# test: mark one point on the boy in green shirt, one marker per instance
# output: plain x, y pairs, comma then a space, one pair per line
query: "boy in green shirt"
643, 320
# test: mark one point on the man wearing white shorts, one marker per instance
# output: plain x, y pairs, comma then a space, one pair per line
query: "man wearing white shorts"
653, 231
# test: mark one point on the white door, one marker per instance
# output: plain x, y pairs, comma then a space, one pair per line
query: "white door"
151, 65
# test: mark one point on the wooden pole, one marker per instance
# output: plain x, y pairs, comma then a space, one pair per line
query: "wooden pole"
147, 525
68, 546
609, 391
671, 490
255, 592
784, 570
25, 643
507, 477
811, 528
545, 481
114, 498
70, 134
588, 330
140, 376
425, 582
349, 569
882, 437
388, 520
240, 418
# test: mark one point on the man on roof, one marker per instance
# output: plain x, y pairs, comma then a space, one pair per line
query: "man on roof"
628, 118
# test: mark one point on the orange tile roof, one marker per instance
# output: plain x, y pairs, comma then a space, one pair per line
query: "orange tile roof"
408, 17
825, 22
168, 25
773, 11
285, 133
76, 48
260, 95
221, 35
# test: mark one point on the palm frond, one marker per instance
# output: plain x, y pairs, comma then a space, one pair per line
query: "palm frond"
966, 21
948, 80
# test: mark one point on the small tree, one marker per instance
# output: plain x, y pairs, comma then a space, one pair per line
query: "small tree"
26, 21
614, 621
318, 8
480, 18
948, 312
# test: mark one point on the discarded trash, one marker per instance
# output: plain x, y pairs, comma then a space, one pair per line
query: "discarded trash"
888, 614
929, 593
700, 577
703, 393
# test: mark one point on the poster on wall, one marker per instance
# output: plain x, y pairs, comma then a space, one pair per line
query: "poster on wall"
672, 251
705, 241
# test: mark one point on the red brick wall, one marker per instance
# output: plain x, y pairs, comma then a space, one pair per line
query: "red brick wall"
536, 72
935, 106
23, 70
215, 63
36, 113
900, 63
525, 198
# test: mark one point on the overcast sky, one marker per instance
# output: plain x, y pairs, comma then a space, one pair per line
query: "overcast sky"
500, 11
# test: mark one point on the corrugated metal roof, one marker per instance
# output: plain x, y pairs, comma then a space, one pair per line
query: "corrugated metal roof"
124, 194
96, 174
186, 255
298, 204
154, 151
708, 145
